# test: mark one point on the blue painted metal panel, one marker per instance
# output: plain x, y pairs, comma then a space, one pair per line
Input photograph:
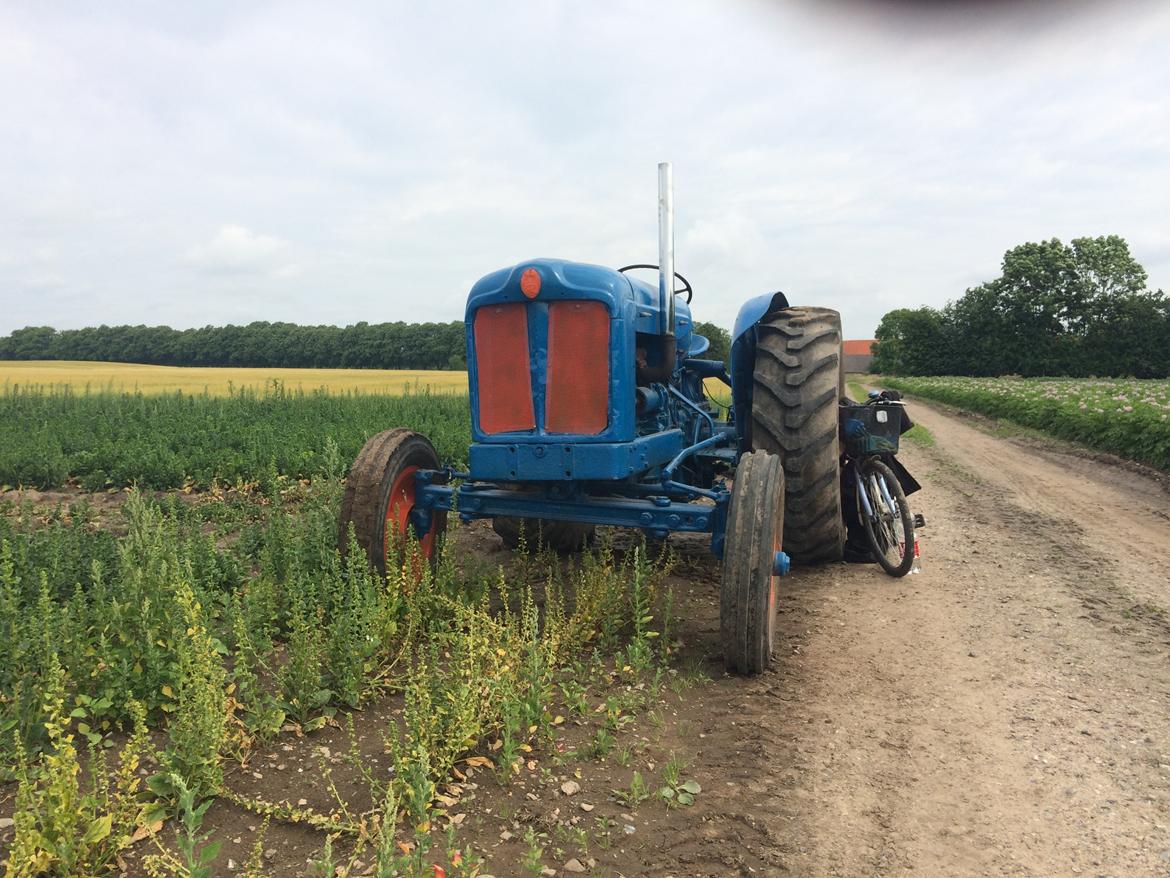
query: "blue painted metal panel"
656, 514
698, 346
742, 358
568, 459
753, 309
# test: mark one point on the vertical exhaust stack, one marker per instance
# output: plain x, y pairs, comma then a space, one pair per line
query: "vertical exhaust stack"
666, 254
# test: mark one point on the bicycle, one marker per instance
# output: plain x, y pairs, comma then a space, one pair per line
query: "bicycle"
869, 432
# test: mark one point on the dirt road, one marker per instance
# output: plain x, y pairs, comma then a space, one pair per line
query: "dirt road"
1004, 712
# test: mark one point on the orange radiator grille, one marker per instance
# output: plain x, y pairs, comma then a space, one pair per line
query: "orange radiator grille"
577, 390
501, 360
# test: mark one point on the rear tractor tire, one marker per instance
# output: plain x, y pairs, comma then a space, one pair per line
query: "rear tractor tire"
379, 496
560, 536
747, 600
795, 393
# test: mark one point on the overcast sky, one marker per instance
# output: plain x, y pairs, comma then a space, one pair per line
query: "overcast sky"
207, 163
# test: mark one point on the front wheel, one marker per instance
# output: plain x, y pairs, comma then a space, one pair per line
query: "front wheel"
885, 514
379, 496
755, 524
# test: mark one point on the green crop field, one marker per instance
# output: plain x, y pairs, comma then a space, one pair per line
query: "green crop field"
153, 644
1126, 417
171, 440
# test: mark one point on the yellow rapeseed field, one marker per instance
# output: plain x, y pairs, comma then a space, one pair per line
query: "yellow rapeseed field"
131, 377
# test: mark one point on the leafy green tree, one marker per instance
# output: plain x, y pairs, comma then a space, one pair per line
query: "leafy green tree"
720, 340
1056, 309
1132, 338
30, 343
1106, 271
910, 341
1051, 295
974, 332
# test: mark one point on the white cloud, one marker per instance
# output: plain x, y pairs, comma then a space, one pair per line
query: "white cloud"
236, 249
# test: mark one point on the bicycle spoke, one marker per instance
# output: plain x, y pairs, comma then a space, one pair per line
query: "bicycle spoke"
896, 541
888, 520
880, 517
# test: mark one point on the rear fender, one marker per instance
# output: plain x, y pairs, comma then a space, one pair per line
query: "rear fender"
742, 358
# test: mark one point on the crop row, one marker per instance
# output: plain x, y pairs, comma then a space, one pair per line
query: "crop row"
165, 441
1126, 417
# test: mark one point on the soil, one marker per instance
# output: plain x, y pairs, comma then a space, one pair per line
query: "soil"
1006, 711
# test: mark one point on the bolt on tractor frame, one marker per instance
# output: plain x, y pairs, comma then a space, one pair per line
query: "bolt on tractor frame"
588, 408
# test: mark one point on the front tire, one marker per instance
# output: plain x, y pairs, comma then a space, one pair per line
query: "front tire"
796, 390
379, 496
747, 601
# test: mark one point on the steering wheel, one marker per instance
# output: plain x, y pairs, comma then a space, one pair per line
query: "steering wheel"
686, 287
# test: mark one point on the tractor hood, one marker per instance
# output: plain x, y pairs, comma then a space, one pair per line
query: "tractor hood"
559, 279
553, 348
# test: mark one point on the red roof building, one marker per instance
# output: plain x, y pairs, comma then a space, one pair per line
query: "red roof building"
858, 354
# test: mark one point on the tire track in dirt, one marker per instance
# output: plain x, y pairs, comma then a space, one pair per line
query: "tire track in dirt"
1005, 712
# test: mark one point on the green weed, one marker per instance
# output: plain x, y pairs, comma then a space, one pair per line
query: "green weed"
65, 828
196, 853
534, 852
199, 724
635, 794
674, 790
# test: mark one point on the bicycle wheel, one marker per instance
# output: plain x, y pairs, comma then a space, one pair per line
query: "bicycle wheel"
889, 526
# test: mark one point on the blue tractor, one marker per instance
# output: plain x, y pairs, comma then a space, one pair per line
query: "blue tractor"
588, 408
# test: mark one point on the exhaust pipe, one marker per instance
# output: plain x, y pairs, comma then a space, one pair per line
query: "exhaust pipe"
666, 249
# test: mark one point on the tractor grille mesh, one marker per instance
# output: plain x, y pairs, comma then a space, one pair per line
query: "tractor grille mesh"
501, 361
571, 347
577, 392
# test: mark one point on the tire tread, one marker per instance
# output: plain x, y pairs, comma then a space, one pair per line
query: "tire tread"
796, 388
744, 608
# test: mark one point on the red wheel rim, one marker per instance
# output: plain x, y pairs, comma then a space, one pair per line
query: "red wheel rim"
398, 509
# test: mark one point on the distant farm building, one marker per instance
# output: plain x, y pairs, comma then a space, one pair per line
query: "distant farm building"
858, 355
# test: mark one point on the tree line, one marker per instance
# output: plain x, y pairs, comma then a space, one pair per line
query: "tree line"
273, 345
284, 345
1079, 309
